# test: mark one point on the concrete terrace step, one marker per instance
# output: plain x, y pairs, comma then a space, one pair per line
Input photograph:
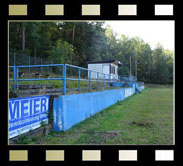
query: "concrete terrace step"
30, 91
24, 87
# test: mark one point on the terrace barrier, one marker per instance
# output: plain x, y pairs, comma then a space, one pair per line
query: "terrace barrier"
65, 78
69, 110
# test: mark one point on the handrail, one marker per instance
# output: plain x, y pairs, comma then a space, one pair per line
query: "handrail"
97, 77
41, 65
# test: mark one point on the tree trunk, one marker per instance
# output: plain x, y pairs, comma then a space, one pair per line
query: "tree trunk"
73, 33
130, 66
23, 37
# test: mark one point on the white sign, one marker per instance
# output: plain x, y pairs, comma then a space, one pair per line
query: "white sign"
27, 113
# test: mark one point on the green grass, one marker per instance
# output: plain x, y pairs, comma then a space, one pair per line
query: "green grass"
145, 118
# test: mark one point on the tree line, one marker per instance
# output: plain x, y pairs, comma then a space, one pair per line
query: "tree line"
79, 42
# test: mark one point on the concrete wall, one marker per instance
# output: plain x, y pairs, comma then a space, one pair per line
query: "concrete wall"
141, 88
72, 109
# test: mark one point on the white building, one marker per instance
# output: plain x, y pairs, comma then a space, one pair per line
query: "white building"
108, 67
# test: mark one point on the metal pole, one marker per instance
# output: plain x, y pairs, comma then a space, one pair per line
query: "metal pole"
97, 80
17, 78
109, 80
64, 78
89, 80
14, 78
104, 81
14, 59
79, 74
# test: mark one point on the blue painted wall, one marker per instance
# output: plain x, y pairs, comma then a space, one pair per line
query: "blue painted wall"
69, 110
140, 88
72, 109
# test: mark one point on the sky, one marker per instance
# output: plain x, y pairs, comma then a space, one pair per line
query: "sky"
151, 32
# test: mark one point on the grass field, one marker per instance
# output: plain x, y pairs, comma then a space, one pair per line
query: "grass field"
145, 118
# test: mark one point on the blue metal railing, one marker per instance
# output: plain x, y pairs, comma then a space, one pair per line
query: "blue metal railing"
18, 79
90, 76
93, 76
128, 78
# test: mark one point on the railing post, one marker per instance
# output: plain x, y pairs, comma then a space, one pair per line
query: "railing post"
17, 79
64, 78
14, 57
104, 81
89, 80
109, 81
97, 80
79, 75
14, 78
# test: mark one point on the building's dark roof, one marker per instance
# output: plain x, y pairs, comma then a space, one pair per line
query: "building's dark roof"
105, 61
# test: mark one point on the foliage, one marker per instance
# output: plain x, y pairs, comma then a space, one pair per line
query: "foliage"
79, 42
62, 52
23, 140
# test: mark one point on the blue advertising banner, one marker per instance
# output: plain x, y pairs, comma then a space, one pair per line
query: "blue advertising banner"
27, 113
